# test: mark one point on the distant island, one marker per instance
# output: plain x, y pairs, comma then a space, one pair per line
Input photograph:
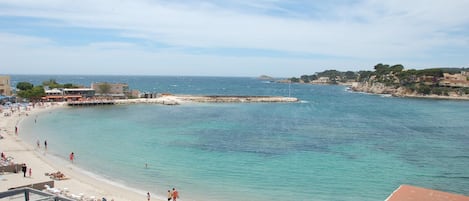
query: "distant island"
438, 83
265, 77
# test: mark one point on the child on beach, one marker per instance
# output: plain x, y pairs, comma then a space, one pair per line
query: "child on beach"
170, 195
72, 156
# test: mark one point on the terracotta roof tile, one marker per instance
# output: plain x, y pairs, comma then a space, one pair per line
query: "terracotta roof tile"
412, 193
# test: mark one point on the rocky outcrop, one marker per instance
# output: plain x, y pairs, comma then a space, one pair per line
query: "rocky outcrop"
375, 88
380, 88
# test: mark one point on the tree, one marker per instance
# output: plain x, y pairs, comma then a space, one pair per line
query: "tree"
23, 86
350, 75
331, 74
424, 89
397, 68
69, 86
35, 93
381, 69
305, 78
364, 75
52, 84
294, 79
104, 88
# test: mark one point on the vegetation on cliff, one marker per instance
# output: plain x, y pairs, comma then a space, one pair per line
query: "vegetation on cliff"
394, 79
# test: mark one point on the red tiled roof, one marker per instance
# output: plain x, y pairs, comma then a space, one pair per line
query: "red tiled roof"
412, 193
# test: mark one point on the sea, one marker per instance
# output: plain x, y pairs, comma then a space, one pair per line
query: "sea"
331, 145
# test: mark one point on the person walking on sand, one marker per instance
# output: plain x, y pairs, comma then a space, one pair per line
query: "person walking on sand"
23, 169
175, 194
170, 195
148, 196
72, 157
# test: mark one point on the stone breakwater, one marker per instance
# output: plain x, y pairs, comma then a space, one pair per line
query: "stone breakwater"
238, 99
180, 99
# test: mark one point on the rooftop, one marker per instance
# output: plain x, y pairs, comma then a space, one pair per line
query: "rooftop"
412, 193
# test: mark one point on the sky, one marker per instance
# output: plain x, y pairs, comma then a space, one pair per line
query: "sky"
279, 38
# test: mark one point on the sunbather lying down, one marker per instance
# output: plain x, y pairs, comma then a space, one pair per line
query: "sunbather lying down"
57, 175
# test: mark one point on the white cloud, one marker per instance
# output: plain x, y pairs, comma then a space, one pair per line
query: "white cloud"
363, 32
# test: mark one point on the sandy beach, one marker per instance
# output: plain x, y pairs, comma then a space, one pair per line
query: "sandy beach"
78, 183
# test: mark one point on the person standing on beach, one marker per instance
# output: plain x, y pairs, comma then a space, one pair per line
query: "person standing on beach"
30, 172
148, 196
23, 169
72, 157
16, 130
170, 195
175, 194
45, 144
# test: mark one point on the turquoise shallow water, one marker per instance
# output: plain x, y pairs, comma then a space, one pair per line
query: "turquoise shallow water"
334, 145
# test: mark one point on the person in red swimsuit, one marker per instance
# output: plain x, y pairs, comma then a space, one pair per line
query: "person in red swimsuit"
72, 157
175, 194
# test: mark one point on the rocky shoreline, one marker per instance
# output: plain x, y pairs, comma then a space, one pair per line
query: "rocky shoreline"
380, 88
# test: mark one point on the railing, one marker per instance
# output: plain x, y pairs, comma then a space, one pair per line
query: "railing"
30, 194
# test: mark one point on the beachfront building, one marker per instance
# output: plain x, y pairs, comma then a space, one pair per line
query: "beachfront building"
5, 88
56, 95
112, 90
81, 92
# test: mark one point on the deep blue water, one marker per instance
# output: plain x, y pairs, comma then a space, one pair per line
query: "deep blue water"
333, 145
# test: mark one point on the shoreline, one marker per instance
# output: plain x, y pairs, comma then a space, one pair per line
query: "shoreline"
79, 182
380, 89
429, 97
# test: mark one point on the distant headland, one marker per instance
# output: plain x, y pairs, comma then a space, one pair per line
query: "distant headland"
436, 83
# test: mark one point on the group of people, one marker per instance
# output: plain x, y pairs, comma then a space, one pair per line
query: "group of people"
172, 195
39, 144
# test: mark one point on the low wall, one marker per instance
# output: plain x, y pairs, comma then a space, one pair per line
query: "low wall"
15, 168
38, 186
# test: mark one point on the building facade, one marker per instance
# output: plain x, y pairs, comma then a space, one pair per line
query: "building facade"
74, 94
115, 90
5, 88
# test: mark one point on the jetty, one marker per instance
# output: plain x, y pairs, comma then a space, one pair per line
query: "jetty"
238, 99
169, 99
91, 103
